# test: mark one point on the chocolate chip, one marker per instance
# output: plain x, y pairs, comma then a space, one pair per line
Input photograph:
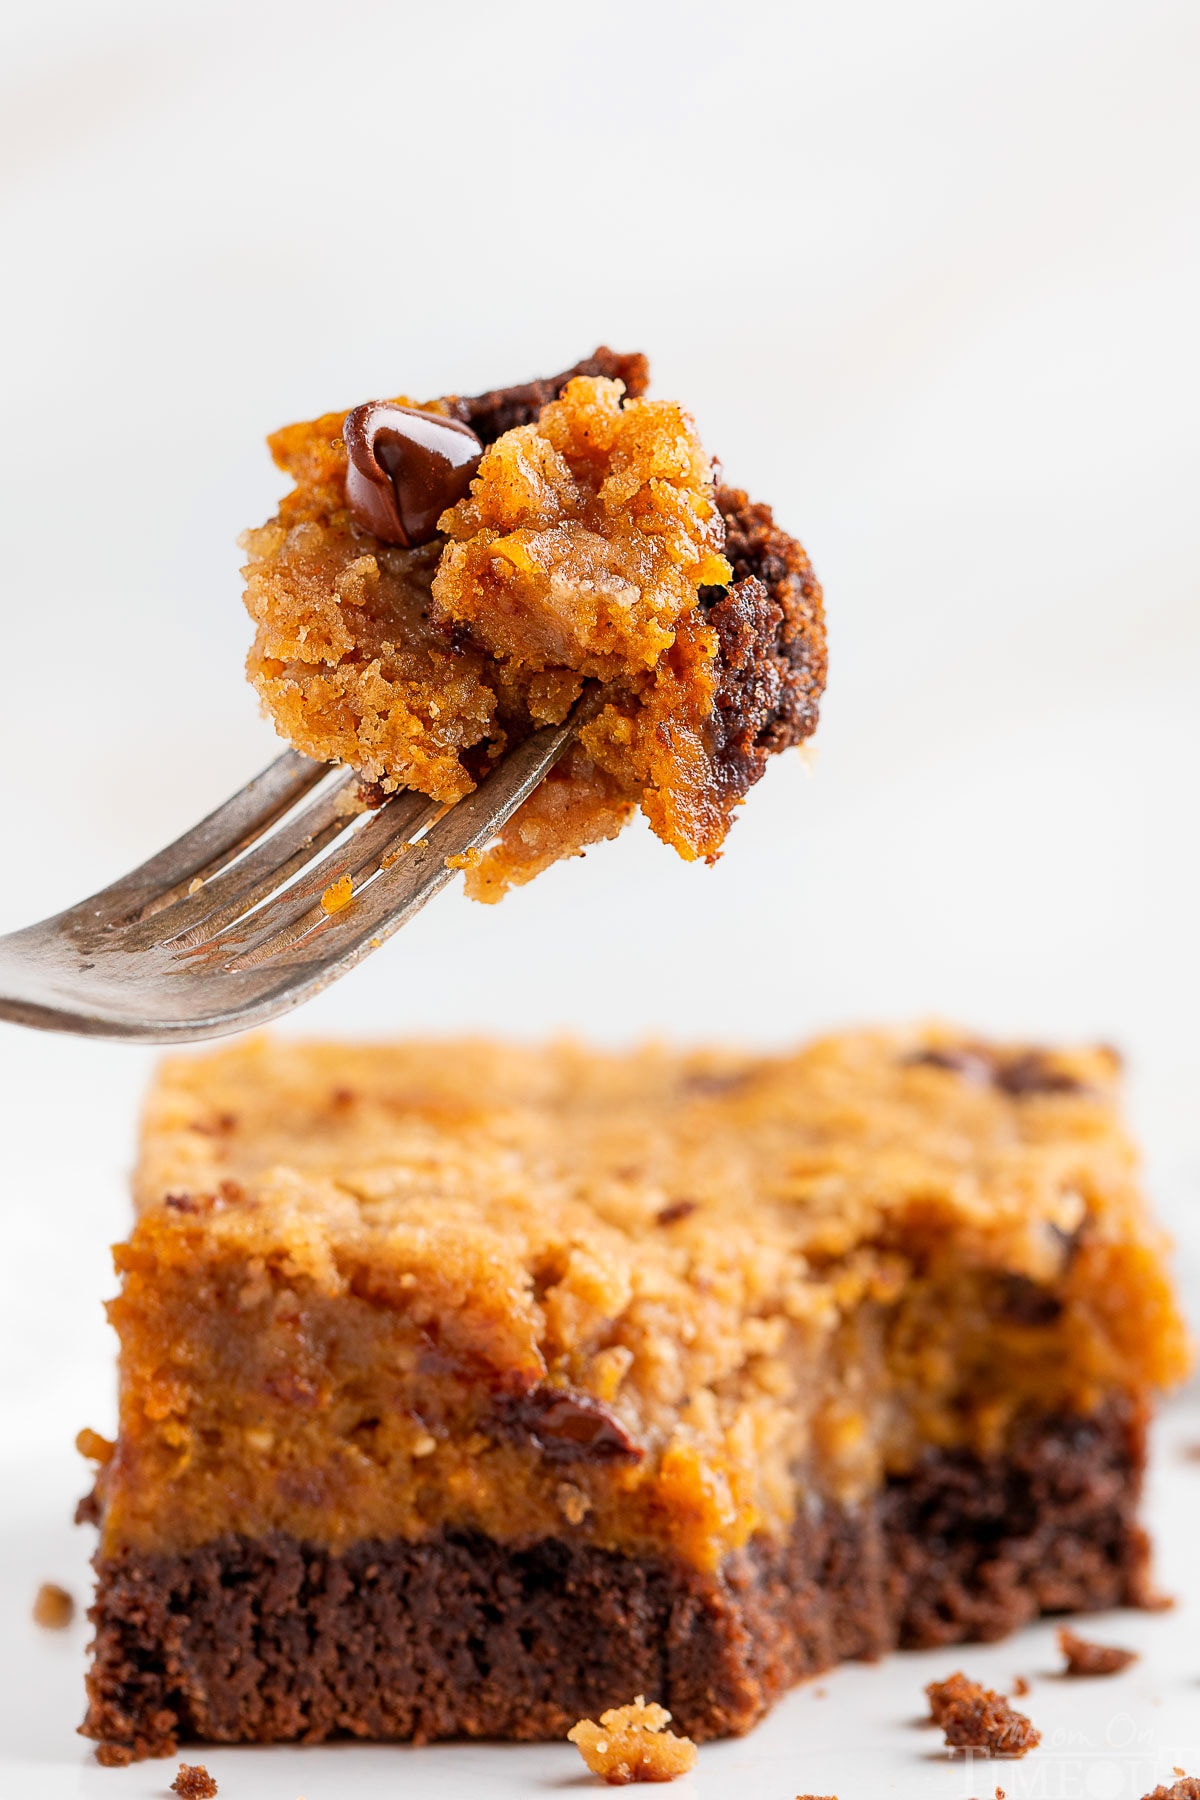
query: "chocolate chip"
970, 1064
676, 1210
1024, 1073
405, 468
566, 1426
1032, 1072
1026, 1302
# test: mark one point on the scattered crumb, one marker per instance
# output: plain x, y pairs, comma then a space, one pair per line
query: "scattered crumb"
467, 859
338, 894
975, 1718
193, 1782
53, 1607
630, 1744
195, 884
1020, 1687
1000, 1795
1186, 1789
816, 1797
1084, 1658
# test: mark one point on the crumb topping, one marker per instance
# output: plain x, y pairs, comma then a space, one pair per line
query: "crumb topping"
585, 537
631, 1743
974, 1717
1086, 1658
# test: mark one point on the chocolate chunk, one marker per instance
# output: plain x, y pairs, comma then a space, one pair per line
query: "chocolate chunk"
955, 1062
406, 467
1027, 1302
1032, 1072
566, 1426
676, 1210
1022, 1074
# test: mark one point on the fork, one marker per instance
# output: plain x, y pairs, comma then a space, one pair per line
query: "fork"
247, 914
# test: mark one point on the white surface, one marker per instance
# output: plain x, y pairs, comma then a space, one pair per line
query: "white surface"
929, 276
855, 1731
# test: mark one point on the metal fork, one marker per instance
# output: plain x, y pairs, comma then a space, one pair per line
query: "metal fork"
234, 923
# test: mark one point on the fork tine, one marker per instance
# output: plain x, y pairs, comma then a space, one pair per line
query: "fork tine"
291, 913
243, 818
241, 884
399, 891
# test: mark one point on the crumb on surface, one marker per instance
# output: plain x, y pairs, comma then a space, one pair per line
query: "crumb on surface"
1188, 1788
1086, 1658
631, 1744
53, 1607
974, 1717
194, 1782
1020, 1686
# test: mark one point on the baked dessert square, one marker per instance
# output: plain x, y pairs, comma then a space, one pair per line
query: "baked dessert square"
446, 577
466, 1388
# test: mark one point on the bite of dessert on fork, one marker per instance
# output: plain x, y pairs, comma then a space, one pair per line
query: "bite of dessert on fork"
509, 621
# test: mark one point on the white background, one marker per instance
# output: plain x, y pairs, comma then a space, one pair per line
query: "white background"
929, 277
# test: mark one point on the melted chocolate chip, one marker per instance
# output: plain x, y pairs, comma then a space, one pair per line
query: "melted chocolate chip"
1027, 1302
567, 1427
1034, 1073
967, 1063
1027, 1072
675, 1210
405, 468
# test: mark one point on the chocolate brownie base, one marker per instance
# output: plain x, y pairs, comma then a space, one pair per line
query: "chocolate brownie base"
261, 1641
771, 655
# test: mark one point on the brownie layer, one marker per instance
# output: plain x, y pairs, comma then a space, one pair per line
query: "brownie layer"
262, 1641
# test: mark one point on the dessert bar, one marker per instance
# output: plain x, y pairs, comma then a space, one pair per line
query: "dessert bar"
468, 1389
